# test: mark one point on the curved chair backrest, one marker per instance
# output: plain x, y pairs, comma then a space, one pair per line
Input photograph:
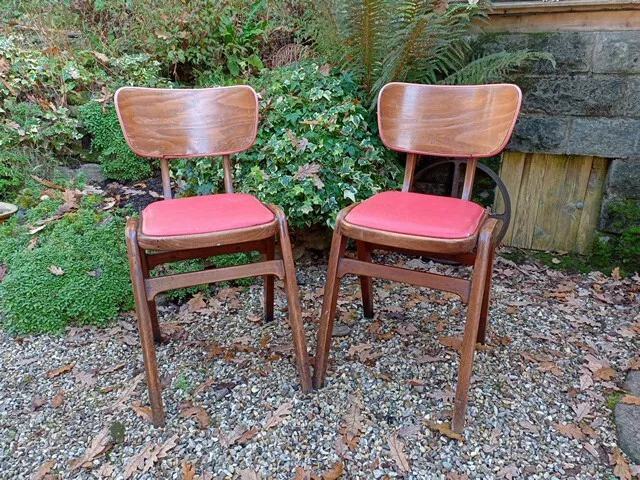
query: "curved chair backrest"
170, 123
450, 121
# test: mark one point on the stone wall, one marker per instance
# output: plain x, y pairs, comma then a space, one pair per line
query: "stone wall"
588, 105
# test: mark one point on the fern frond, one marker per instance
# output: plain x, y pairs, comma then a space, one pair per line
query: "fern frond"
495, 67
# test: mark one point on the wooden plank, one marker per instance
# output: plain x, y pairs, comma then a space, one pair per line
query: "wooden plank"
549, 200
537, 6
511, 169
591, 209
528, 200
577, 179
565, 21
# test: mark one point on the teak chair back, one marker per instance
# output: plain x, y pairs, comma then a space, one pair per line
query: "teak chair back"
458, 121
184, 123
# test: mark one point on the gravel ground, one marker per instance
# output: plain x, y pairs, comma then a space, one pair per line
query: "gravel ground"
540, 402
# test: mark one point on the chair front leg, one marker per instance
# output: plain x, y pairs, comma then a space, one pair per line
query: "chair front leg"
268, 282
145, 325
331, 289
478, 282
293, 301
151, 304
366, 283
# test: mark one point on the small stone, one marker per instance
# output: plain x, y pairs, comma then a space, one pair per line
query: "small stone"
340, 331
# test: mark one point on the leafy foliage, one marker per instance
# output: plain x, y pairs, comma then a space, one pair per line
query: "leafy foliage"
116, 158
407, 40
90, 281
317, 148
495, 67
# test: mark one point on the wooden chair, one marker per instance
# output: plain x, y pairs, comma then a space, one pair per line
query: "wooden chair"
448, 121
171, 123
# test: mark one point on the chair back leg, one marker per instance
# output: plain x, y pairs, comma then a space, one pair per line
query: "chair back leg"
268, 282
486, 299
476, 300
145, 325
332, 286
366, 283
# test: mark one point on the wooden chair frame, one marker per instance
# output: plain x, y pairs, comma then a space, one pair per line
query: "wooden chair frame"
148, 252
477, 250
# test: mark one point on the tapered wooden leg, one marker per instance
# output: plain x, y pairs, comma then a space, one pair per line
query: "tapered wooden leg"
331, 289
268, 283
293, 301
366, 283
151, 304
486, 298
478, 281
144, 323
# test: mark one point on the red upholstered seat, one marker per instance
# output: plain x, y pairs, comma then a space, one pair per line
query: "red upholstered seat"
418, 214
204, 214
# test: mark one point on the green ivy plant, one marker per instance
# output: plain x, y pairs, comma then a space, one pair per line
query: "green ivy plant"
317, 148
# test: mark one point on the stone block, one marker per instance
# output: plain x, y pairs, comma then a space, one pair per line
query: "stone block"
617, 52
580, 95
627, 419
572, 50
633, 99
624, 178
540, 134
604, 137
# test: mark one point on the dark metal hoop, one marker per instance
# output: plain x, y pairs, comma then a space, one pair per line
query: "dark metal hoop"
504, 217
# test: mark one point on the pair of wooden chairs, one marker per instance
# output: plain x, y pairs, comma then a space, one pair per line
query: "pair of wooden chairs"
466, 121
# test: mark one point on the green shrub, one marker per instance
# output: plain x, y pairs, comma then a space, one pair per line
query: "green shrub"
198, 36
317, 148
88, 245
116, 158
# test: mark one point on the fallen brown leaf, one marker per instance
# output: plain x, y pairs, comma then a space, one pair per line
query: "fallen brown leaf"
198, 413
57, 399
621, 467
334, 472
302, 474
188, 470
100, 445
278, 416
397, 453
56, 270
445, 429
197, 302
249, 474
147, 457
44, 470
142, 411
630, 399
120, 402
569, 430
60, 370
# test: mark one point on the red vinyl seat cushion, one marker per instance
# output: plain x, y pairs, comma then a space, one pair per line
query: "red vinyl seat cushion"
418, 214
204, 214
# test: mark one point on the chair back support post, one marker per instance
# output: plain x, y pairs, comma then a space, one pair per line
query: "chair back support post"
469, 177
166, 178
228, 180
409, 170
